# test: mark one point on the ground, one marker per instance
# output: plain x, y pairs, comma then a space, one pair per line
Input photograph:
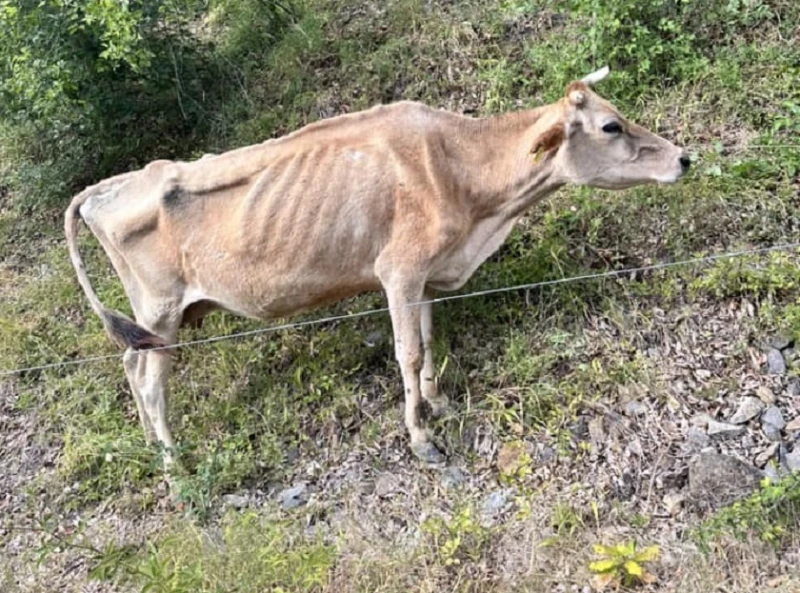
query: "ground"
582, 414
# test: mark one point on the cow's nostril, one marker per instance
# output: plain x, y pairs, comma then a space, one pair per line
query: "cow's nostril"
685, 162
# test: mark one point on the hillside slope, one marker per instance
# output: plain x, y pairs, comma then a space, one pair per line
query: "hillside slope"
583, 413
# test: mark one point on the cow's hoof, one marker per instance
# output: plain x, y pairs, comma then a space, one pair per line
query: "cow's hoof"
428, 453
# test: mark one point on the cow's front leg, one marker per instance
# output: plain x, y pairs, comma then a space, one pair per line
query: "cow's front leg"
437, 402
406, 324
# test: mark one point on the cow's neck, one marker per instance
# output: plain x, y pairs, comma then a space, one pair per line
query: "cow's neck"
497, 173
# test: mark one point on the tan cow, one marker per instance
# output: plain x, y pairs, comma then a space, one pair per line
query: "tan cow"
400, 197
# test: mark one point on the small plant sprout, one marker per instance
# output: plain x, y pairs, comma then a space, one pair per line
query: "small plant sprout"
622, 565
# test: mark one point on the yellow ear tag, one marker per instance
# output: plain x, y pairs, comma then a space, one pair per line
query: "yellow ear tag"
537, 156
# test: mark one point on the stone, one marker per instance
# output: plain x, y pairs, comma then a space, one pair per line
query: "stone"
236, 501
625, 486
386, 484
772, 415
293, 497
782, 341
453, 477
776, 365
375, 338
793, 459
547, 455
718, 480
496, 502
748, 408
673, 502
635, 448
765, 395
763, 458
772, 432
697, 436
793, 425
700, 420
723, 430
793, 388
635, 408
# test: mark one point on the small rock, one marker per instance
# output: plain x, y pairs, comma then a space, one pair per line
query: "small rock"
776, 365
781, 341
373, 339
718, 480
625, 486
772, 415
697, 436
700, 420
453, 476
793, 388
293, 497
497, 501
546, 455
724, 430
749, 407
793, 459
236, 501
635, 448
793, 426
635, 408
765, 395
763, 458
748, 442
386, 484
673, 502
771, 432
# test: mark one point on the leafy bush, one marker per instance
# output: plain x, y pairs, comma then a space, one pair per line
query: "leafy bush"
93, 87
654, 43
772, 514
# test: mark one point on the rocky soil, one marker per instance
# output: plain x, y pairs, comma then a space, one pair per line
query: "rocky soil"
722, 412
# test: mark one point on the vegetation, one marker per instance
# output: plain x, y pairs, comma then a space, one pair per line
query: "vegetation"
91, 88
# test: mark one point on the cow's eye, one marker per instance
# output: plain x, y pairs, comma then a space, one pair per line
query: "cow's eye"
612, 128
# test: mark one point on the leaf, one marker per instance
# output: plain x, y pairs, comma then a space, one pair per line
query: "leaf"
602, 566
601, 581
626, 549
648, 554
633, 568
602, 550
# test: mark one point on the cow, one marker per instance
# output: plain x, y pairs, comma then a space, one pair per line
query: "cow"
402, 198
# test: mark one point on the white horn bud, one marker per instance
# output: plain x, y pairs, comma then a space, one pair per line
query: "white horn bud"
595, 77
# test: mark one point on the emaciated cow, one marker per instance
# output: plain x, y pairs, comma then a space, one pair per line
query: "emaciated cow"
401, 198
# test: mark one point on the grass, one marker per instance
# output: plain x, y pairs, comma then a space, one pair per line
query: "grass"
518, 366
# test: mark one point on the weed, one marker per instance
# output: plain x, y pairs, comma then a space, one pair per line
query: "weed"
622, 564
772, 514
458, 539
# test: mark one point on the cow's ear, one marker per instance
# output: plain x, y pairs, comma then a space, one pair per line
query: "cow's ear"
548, 141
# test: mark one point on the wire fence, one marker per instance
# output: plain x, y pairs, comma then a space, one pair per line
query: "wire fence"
475, 294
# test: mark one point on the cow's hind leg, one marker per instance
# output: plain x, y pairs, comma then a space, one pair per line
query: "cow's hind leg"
151, 377
406, 324
131, 364
437, 402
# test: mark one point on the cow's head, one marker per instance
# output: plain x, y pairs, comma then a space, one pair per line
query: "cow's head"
592, 144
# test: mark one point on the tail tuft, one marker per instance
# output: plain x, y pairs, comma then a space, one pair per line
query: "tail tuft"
128, 334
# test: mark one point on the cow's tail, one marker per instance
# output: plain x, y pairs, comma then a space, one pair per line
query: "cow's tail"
123, 331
